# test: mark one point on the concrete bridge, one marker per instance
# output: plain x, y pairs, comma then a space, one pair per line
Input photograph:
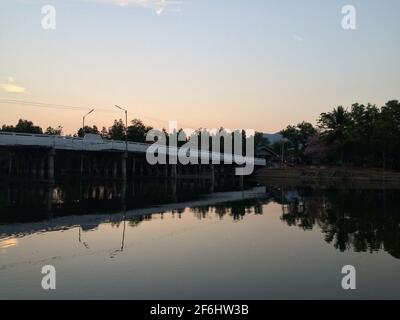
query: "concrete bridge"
45, 158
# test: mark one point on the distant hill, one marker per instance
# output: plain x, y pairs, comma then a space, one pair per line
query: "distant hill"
273, 137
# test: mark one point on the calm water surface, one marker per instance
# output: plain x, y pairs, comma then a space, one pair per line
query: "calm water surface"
287, 243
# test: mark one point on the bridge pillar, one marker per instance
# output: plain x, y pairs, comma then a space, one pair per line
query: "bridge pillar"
133, 167
141, 165
123, 194
34, 171
41, 168
174, 171
94, 166
50, 169
159, 171
10, 163
82, 163
174, 175
22, 166
114, 190
212, 178
123, 165
49, 199
15, 162
154, 170
166, 171
115, 169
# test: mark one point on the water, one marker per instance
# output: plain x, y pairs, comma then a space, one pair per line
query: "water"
277, 243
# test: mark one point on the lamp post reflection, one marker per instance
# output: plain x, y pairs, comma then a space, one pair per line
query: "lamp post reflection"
121, 249
80, 238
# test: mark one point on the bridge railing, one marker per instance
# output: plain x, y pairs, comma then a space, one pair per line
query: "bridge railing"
77, 143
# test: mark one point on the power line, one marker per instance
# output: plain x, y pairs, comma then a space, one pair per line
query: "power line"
47, 105
76, 108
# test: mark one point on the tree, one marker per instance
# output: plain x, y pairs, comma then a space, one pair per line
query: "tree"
54, 131
87, 129
260, 140
137, 131
385, 137
306, 131
298, 137
104, 133
277, 147
335, 128
361, 128
175, 135
7, 128
23, 126
317, 150
117, 130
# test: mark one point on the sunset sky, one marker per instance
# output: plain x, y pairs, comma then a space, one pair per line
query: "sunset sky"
259, 64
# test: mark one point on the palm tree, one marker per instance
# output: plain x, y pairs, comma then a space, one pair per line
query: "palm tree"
334, 126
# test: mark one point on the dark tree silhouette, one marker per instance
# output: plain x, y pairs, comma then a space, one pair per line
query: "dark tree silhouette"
87, 129
23, 126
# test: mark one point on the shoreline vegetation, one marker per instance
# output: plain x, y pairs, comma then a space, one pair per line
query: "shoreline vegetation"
361, 136
330, 176
364, 136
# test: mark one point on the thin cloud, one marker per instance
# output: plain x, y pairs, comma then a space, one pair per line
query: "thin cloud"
297, 37
158, 6
159, 11
12, 87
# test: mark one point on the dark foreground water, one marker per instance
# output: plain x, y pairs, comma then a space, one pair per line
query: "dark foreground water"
277, 243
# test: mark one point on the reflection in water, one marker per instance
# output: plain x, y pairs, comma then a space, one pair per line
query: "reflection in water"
362, 220
80, 238
25, 201
121, 249
7, 243
261, 243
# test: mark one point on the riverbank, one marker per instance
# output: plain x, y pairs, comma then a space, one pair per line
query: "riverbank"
359, 177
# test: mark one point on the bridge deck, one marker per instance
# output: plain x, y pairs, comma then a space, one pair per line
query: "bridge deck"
79, 144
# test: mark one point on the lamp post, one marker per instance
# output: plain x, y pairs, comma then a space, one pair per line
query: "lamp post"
83, 122
126, 126
83, 135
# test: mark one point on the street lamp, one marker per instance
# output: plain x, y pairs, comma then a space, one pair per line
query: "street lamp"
126, 126
83, 122
83, 143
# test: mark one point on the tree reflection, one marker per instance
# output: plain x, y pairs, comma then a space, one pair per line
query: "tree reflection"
362, 220
350, 219
237, 210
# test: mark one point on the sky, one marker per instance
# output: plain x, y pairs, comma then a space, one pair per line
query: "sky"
252, 64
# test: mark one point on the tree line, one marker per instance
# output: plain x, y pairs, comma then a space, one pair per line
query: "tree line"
135, 132
361, 135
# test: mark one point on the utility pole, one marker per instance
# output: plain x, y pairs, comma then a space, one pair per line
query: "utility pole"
83, 135
83, 121
125, 156
126, 126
